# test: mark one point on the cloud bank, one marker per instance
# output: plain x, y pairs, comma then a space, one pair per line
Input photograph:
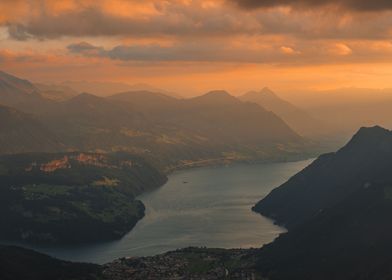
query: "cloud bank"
194, 19
355, 5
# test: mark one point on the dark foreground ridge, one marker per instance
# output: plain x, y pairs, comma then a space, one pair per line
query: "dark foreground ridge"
18, 263
338, 211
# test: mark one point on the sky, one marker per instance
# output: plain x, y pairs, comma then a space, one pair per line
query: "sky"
191, 46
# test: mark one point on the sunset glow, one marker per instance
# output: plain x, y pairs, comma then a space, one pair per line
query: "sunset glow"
191, 46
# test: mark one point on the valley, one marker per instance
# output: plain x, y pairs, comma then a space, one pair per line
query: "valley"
195, 140
348, 226
196, 207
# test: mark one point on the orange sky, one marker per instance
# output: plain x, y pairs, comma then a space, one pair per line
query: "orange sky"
191, 46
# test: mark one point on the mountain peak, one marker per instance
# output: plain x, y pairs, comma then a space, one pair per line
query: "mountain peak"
218, 93
217, 96
86, 95
267, 90
375, 137
375, 132
85, 98
265, 94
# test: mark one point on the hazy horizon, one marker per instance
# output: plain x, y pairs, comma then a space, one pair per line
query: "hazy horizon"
295, 95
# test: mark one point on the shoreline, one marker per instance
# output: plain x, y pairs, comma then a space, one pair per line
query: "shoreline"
47, 247
227, 162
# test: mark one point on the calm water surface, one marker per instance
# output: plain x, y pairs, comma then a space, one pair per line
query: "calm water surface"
199, 207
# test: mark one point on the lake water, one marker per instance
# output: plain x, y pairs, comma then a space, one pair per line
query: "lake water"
198, 207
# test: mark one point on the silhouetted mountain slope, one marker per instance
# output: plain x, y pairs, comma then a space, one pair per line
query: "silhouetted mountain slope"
17, 263
296, 118
11, 84
216, 115
14, 90
348, 240
20, 132
22, 95
338, 211
331, 178
223, 116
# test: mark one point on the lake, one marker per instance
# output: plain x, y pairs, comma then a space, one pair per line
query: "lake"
208, 206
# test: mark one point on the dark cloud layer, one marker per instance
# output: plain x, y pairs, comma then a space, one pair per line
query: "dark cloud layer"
192, 21
358, 5
317, 53
176, 20
191, 51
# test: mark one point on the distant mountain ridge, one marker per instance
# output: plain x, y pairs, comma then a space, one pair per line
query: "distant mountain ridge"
11, 83
152, 123
105, 89
301, 121
14, 90
215, 127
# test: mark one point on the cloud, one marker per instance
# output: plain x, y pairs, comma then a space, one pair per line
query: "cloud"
341, 49
203, 19
288, 50
86, 49
125, 32
168, 18
253, 52
183, 51
356, 5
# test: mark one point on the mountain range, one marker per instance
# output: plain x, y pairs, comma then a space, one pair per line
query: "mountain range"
105, 89
168, 131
